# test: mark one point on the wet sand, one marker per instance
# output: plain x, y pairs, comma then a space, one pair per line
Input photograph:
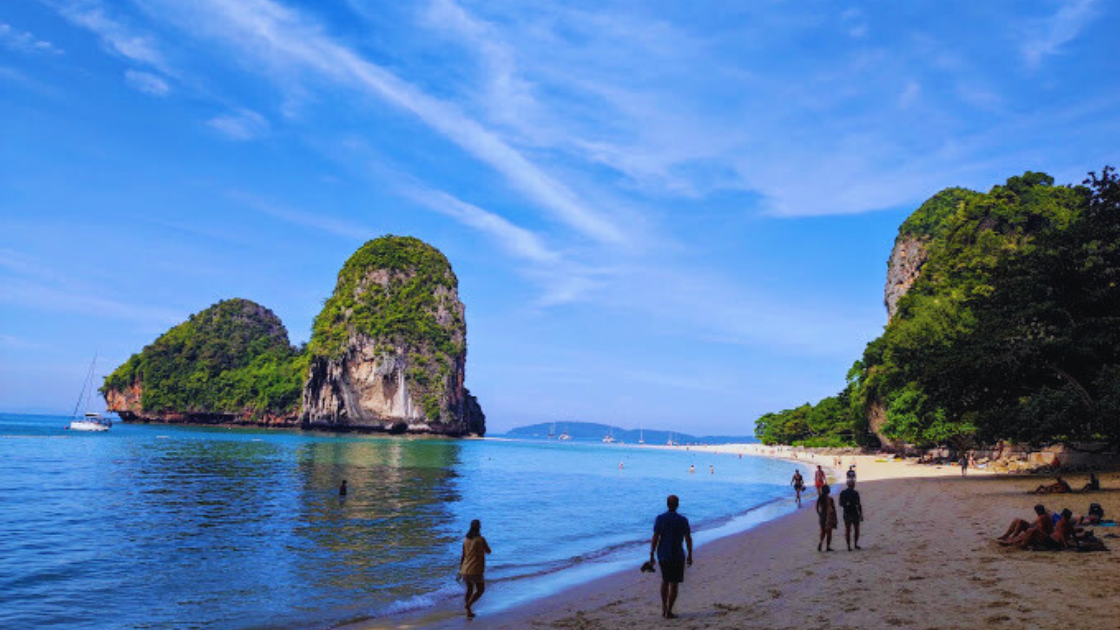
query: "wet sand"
928, 561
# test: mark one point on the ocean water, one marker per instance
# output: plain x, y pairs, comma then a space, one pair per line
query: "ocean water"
153, 526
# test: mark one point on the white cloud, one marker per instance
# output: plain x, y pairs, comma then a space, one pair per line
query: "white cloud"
146, 82
240, 124
23, 41
317, 221
285, 39
514, 239
1047, 36
909, 94
115, 34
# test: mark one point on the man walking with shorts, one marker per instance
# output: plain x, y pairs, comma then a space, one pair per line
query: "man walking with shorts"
671, 532
853, 512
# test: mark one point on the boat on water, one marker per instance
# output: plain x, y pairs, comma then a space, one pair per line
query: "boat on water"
641, 436
609, 437
89, 421
564, 435
552, 431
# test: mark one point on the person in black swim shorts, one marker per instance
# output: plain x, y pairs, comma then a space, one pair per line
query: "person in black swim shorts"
671, 532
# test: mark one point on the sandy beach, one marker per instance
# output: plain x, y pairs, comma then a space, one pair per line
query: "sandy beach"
928, 561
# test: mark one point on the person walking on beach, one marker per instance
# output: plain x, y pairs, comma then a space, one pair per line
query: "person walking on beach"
472, 565
826, 514
853, 512
852, 473
819, 479
798, 484
964, 464
671, 532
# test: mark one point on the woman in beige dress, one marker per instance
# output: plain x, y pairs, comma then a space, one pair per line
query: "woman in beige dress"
472, 565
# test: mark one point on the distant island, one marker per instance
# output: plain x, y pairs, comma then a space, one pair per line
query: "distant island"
387, 353
1003, 324
593, 431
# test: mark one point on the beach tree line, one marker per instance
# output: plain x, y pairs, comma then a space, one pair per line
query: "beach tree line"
1012, 330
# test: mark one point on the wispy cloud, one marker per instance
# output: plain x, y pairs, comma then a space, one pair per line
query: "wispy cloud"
25, 42
29, 283
240, 124
115, 34
514, 239
320, 221
146, 82
285, 39
910, 94
1047, 36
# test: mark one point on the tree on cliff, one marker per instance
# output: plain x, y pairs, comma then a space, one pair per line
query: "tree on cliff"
232, 358
1010, 332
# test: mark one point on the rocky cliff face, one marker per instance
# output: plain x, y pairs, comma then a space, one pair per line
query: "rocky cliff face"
388, 351
903, 269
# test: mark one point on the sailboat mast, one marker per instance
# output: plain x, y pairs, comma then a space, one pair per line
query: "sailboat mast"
85, 385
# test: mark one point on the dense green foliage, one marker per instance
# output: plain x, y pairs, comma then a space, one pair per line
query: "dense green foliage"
399, 292
1010, 332
401, 311
230, 358
833, 422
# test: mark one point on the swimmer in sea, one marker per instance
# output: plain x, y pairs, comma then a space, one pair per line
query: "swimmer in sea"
691, 468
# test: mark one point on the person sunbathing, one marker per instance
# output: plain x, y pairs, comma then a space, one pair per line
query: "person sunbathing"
1093, 485
1063, 536
1043, 521
1060, 486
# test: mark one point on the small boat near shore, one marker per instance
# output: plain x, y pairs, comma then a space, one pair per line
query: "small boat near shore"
89, 421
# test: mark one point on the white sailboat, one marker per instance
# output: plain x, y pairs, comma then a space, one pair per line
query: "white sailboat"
670, 442
609, 437
641, 436
89, 421
564, 435
552, 431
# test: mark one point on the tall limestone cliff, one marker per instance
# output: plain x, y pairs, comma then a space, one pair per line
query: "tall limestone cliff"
388, 351
228, 364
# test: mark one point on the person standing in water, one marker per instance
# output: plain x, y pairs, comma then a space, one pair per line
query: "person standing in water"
853, 512
342, 489
819, 479
798, 484
472, 565
691, 468
671, 532
826, 514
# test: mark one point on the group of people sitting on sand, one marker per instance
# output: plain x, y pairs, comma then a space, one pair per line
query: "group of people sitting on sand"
1061, 486
1051, 531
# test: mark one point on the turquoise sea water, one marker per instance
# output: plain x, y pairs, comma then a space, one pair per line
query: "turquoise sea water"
152, 526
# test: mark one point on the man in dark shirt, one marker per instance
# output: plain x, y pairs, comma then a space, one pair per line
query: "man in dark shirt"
670, 532
853, 512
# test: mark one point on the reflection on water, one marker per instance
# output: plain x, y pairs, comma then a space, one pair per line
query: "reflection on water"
180, 527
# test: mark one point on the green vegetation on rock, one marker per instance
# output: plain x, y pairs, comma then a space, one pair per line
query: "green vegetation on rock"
402, 310
399, 294
231, 358
1012, 330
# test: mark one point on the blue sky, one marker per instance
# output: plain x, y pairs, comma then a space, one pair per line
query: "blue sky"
669, 214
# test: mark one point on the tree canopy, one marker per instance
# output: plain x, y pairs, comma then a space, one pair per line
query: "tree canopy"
1010, 332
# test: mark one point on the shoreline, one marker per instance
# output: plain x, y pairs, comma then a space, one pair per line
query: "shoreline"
928, 537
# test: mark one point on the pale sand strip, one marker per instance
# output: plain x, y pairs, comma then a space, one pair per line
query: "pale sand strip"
928, 562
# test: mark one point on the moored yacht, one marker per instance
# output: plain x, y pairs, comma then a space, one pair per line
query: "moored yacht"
89, 421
